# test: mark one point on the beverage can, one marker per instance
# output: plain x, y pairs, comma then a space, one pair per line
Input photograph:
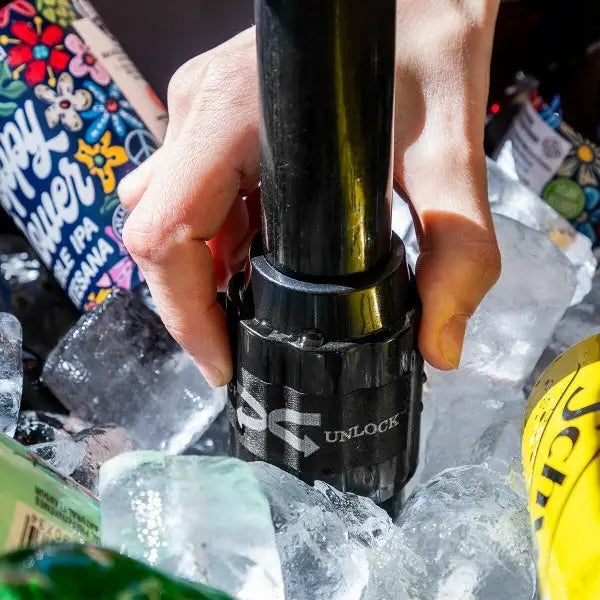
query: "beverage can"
561, 459
555, 161
37, 505
75, 117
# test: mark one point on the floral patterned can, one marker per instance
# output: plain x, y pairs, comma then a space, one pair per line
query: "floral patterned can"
574, 191
556, 162
75, 118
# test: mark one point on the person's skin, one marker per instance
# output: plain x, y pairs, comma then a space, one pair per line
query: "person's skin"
190, 228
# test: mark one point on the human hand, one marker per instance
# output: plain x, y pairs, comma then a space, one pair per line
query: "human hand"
190, 228
443, 50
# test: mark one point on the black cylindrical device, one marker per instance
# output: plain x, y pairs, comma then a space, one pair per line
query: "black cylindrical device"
328, 377
327, 91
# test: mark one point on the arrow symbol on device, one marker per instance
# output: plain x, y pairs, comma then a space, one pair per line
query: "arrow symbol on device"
287, 415
274, 420
244, 419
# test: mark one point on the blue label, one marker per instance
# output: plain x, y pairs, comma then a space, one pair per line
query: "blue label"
67, 137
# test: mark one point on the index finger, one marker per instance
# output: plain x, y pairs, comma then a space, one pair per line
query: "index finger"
184, 205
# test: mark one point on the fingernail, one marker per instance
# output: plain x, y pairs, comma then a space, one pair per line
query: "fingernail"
452, 337
212, 375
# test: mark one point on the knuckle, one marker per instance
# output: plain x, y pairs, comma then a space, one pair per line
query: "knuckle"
221, 79
145, 241
183, 84
228, 79
127, 199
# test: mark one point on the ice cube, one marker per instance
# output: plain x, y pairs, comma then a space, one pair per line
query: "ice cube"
469, 420
36, 395
11, 372
142, 293
319, 560
512, 199
63, 455
37, 427
202, 518
514, 323
81, 455
367, 524
215, 440
119, 365
463, 535
36, 299
20, 267
578, 323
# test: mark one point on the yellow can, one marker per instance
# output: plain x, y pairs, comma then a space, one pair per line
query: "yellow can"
561, 459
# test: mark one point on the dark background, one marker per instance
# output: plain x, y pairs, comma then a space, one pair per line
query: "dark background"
160, 35
549, 38
556, 41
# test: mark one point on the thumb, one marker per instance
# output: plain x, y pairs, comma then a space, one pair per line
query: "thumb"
459, 260
458, 266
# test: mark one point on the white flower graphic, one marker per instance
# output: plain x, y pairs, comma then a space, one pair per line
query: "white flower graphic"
65, 104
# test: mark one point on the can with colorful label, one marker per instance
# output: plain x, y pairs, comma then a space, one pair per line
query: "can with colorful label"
561, 459
557, 163
75, 117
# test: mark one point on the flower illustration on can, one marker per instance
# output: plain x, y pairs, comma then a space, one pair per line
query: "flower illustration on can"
37, 51
22, 7
85, 62
101, 159
110, 109
65, 103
